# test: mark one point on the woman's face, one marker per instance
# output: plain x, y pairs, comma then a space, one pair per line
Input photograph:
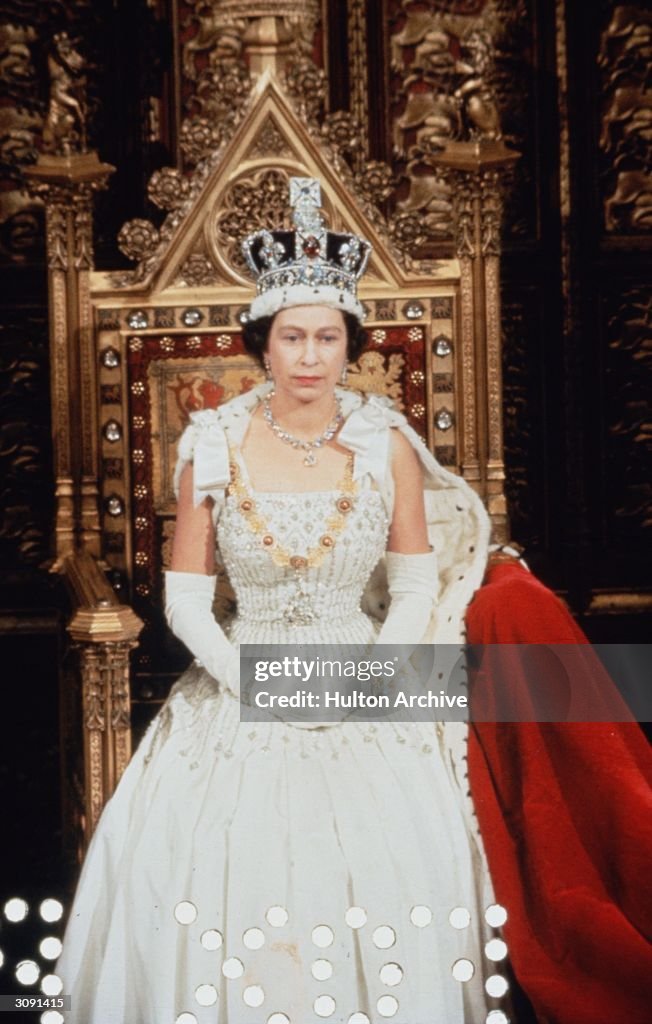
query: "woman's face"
306, 349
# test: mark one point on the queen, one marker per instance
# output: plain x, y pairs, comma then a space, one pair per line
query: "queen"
295, 871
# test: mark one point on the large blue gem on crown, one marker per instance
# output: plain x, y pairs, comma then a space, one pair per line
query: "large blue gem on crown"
307, 265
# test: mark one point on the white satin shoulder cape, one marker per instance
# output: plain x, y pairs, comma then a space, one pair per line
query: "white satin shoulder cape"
458, 524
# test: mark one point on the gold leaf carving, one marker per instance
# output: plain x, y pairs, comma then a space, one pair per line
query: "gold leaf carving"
198, 270
138, 238
168, 188
268, 141
261, 200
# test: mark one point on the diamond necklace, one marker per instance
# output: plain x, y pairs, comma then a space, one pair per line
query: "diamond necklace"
310, 459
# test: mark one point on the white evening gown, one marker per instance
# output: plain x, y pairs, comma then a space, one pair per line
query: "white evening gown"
318, 868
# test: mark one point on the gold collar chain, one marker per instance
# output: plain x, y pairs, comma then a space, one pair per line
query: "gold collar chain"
260, 528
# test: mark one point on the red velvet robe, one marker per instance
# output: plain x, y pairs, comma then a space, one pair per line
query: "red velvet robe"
564, 810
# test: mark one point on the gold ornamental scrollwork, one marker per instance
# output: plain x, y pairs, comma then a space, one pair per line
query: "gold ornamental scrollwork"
492, 184
119, 689
343, 131
138, 239
357, 43
69, 225
306, 83
261, 200
198, 138
268, 142
168, 188
56, 234
375, 181
83, 231
197, 270
445, 57
94, 692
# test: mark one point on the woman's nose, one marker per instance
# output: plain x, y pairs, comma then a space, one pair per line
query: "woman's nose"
309, 354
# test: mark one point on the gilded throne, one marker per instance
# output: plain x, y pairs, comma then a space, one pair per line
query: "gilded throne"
135, 352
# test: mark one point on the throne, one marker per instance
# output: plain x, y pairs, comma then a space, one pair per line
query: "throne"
133, 353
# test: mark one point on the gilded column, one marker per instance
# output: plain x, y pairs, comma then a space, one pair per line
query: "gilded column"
475, 170
65, 177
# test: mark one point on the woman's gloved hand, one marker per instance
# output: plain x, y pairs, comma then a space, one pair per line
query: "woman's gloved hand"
413, 584
188, 610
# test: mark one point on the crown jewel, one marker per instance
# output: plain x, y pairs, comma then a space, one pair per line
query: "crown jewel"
310, 265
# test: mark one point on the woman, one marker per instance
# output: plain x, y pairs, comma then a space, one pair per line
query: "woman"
296, 871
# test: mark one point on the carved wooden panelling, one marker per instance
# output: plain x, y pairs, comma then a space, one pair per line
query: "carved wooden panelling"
25, 452
523, 421
21, 120
451, 71
625, 61
628, 419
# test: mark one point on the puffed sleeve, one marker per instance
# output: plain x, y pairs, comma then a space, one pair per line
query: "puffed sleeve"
204, 443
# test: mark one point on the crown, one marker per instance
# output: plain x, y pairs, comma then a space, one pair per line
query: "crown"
307, 266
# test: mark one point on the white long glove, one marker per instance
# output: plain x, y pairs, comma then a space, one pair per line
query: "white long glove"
188, 602
413, 584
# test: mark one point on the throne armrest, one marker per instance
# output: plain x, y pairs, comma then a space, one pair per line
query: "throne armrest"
103, 633
98, 616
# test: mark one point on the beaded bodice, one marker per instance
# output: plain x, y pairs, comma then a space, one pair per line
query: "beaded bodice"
330, 591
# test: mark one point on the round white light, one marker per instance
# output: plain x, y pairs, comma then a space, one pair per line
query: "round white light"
356, 917
495, 915
322, 970
322, 936
496, 985
463, 969
421, 916
232, 968
51, 985
496, 1017
185, 912
495, 950
50, 948
277, 916
28, 972
254, 938
211, 939
459, 917
387, 1006
51, 910
206, 995
384, 936
16, 909
391, 974
253, 995
324, 1006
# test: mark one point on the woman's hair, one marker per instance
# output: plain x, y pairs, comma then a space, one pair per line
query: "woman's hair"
256, 332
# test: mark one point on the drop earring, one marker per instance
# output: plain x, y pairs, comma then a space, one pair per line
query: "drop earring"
344, 374
268, 368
